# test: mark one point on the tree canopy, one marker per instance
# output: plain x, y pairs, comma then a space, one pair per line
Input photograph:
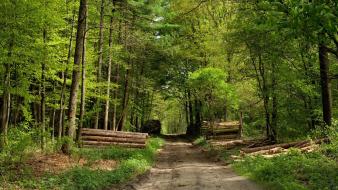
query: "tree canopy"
114, 65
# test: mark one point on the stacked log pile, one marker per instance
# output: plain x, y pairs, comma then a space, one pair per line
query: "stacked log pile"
233, 143
104, 138
222, 130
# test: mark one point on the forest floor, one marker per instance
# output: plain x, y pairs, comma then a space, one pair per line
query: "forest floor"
182, 166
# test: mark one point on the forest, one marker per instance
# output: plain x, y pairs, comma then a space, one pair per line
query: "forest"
123, 65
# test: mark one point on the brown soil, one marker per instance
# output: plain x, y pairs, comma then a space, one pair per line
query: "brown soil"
58, 163
181, 166
53, 163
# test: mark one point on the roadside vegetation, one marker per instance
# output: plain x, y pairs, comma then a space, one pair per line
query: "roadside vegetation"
291, 169
316, 170
90, 168
295, 170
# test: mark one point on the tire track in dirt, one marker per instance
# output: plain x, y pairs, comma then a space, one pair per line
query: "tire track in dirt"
180, 166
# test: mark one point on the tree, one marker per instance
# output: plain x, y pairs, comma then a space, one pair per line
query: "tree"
81, 25
106, 113
100, 61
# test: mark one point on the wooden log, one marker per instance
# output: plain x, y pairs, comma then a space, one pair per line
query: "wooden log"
226, 126
284, 145
229, 123
222, 137
117, 132
269, 156
309, 143
297, 144
116, 135
111, 134
226, 130
259, 143
95, 143
232, 143
107, 146
269, 151
226, 134
310, 148
114, 139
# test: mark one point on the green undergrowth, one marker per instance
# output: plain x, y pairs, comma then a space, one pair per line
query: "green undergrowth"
131, 162
295, 170
201, 141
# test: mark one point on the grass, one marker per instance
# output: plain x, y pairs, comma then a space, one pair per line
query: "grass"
131, 162
295, 170
201, 141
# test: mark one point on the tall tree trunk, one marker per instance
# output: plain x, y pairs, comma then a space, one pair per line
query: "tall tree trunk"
76, 75
126, 84
99, 70
61, 130
109, 74
139, 84
124, 102
43, 92
186, 109
52, 121
83, 81
6, 105
17, 110
308, 98
325, 84
191, 115
117, 78
274, 112
197, 117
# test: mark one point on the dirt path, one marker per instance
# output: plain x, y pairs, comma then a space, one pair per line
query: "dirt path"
180, 166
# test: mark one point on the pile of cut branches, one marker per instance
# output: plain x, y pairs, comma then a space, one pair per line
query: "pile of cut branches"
269, 151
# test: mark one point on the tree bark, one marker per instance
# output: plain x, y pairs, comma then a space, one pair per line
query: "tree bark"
191, 115
124, 102
43, 92
76, 75
274, 113
186, 109
126, 85
117, 78
99, 71
6, 98
109, 74
83, 81
61, 129
53, 124
198, 122
117, 70
325, 84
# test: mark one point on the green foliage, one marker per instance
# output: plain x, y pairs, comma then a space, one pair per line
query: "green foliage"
131, 162
20, 143
200, 141
209, 86
294, 170
210, 83
172, 117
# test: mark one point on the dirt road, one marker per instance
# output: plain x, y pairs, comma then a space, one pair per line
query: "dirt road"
180, 166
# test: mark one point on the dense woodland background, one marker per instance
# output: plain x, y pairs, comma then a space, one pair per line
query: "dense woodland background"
115, 64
